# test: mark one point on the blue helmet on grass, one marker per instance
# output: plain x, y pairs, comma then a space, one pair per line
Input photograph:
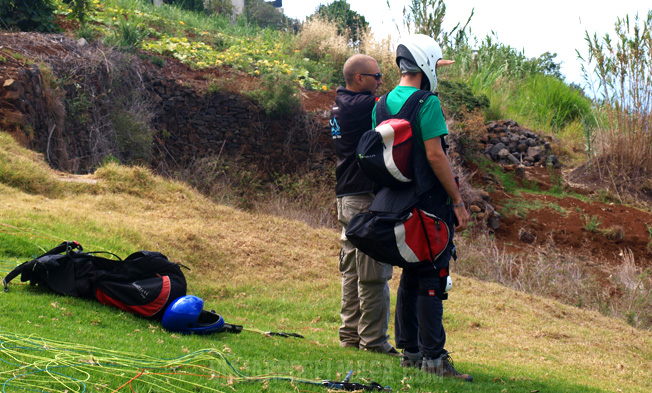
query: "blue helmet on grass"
187, 315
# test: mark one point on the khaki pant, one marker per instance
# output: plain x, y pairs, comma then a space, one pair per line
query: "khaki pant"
365, 292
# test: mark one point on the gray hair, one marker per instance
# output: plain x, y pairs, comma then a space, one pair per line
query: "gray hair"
408, 67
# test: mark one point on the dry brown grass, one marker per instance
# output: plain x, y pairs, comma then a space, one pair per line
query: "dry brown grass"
319, 39
552, 273
491, 325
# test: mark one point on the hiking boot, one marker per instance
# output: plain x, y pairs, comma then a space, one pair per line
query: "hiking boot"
443, 366
411, 359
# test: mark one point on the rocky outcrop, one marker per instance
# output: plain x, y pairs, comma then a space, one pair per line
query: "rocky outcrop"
506, 142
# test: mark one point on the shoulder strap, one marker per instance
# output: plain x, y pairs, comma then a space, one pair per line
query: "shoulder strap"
412, 105
382, 113
408, 111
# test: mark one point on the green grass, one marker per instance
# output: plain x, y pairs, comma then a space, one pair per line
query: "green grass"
520, 88
542, 102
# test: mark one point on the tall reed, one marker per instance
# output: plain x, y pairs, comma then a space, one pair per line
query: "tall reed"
619, 73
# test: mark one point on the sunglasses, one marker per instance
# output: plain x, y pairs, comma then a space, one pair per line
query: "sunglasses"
377, 76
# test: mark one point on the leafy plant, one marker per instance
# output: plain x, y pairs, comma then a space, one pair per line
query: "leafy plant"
133, 137
277, 96
80, 10
220, 7
557, 181
191, 5
129, 35
86, 32
28, 15
264, 14
459, 98
426, 17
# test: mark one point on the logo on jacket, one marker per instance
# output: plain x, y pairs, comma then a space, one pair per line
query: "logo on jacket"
335, 128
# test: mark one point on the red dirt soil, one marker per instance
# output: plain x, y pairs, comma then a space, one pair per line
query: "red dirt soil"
532, 220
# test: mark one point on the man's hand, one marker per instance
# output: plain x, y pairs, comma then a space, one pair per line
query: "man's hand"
462, 217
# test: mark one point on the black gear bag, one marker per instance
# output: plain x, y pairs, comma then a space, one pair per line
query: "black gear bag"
144, 283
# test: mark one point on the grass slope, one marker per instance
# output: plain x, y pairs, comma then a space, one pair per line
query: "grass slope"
272, 274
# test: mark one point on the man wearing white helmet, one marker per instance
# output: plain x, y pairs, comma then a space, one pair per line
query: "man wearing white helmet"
419, 308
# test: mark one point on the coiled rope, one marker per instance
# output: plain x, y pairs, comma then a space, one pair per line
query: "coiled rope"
31, 363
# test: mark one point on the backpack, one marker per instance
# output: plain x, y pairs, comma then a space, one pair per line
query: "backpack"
399, 230
384, 153
144, 283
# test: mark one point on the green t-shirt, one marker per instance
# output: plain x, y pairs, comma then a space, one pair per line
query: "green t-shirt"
430, 120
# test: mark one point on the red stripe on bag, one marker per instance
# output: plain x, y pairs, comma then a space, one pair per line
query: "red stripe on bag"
402, 130
146, 310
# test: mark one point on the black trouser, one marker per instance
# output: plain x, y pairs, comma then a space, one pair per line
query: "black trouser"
419, 310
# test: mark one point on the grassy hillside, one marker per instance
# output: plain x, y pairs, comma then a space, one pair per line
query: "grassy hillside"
266, 274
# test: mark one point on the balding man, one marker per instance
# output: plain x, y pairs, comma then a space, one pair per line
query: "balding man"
365, 292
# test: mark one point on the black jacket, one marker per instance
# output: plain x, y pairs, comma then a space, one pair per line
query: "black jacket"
350, 118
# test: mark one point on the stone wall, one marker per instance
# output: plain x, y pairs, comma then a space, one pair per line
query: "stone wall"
187, 125
192, 125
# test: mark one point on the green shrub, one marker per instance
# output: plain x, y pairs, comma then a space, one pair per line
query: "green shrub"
277, 96
28, 15
552, 102
349, 23
617, 70
128, 35
87, 32
80, 10
220, 7
265, 15
458, 97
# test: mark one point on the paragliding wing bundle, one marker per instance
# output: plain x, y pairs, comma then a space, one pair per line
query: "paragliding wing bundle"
144, 283
153, 283
401, 239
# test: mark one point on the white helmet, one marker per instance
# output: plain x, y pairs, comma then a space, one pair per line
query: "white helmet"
423, 51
